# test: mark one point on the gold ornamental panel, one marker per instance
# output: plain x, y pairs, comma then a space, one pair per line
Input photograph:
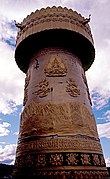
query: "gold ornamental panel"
50, 118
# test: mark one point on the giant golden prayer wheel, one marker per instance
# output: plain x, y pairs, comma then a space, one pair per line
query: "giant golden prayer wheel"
58, 136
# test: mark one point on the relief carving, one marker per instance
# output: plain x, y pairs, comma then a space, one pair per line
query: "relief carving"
96, 160
29, 161
42, 88
64, 16
36, 64
72, 159
55, 67
27, 79
85, 158
72, 88
56, 159
73, 143
41, 161
66, 118
102, 160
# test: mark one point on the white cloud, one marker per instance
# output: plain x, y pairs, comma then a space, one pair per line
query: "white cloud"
19, 9
104, 130
107, 161
7, 28
3, 129
99, 74
99, 100
15, 133
105, 116
11, 80
7, 154
2, 142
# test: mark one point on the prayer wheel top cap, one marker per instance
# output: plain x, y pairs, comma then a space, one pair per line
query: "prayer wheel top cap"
54, 27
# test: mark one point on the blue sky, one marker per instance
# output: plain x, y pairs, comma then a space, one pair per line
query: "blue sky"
12, 79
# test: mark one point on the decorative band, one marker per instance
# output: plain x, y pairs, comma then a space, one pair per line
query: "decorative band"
78, 143
62, 174
59, 159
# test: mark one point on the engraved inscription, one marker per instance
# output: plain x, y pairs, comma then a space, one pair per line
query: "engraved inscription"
42, 88
72, 88
73, 143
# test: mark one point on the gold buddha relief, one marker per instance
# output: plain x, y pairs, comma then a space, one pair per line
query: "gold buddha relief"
55, 67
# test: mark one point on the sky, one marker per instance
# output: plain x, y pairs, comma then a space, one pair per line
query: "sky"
12, 79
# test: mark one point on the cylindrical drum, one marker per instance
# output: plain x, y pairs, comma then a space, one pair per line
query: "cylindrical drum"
58, 136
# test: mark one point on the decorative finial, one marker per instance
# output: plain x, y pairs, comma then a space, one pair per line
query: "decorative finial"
86, 20
19, 25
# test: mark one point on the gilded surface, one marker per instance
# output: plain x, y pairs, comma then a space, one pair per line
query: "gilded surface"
72, 159
42, 88
96, 160
72, 88
55, 67
60, 159
85, 158
66, 118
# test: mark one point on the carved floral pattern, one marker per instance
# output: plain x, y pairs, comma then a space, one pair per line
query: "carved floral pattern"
29, 161
71, 160
65, 160
41, 161
56, 159
96, 160
102, 160
85, 158
60, 159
